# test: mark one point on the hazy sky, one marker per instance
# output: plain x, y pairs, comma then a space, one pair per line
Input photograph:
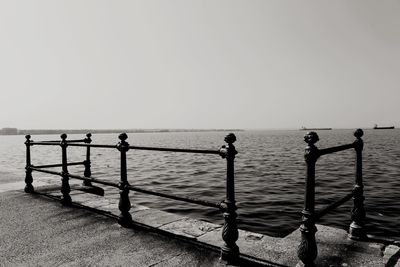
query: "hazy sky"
199, 64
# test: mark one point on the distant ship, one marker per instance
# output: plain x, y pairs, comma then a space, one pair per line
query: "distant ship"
314, 129
380, 128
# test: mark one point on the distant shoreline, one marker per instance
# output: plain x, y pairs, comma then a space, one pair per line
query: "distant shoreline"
15, 131
314, 129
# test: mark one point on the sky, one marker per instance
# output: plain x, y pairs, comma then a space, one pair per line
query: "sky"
199, 64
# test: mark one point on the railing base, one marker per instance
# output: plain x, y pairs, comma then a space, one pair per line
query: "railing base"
29, 188
87, 183
125, 220
307, 250
357, 232
230, 255
301, 264
66, 201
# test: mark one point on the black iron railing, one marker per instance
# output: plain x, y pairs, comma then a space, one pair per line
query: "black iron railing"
307, 251
229, 251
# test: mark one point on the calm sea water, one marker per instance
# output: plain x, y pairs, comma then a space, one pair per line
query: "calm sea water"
270, 173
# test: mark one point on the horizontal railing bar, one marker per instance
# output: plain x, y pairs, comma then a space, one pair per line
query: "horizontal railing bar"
73, 144
202, 151
335, 149
93, 180
185, 199
45, 143
182, 150
58, 165
133, 188
47, 166
45, 171
75, 163
76, 141
331, 207
58, 142
94, 145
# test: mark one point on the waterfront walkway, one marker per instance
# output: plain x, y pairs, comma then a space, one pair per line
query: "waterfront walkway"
37, 230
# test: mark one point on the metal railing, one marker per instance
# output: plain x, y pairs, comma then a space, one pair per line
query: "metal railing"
229, 251
307, 250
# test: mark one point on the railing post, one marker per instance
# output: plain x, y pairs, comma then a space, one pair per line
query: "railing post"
87, 173
124, 205
307, 250
357, 229
28, 172
65, 188
230, 234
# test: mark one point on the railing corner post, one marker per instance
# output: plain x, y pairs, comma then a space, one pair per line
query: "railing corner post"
65, 187
28, 171
87, 173
230, 234
307, 250
357, 226
124, 205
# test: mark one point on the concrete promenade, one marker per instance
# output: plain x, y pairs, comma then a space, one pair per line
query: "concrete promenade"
36, 230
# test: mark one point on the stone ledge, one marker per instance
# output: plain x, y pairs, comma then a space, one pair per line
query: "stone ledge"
190, 227
154, 218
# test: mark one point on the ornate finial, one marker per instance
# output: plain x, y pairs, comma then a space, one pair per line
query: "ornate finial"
311, 138
123, 137
28, 140
63, 136
88, 140
358, 133
230, 138
123, 145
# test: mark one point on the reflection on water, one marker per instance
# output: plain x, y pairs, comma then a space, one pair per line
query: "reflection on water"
270, 173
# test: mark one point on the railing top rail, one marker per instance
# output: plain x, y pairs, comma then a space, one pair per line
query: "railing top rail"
312, 137
93, 145
76, 141
165, 149
183, 150
87, 143
47, 143
335, 149
44, 143
86, 140
58, 141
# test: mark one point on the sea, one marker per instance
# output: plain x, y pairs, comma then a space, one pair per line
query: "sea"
269, 174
